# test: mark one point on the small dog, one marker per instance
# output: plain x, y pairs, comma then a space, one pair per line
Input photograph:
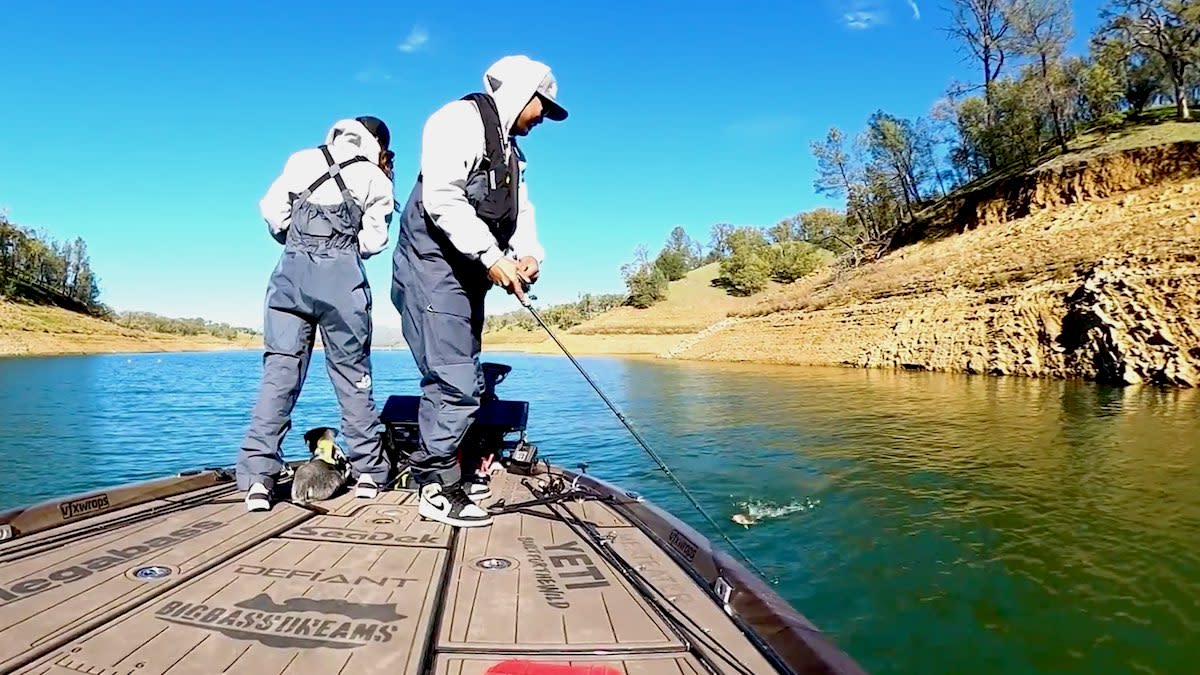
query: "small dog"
320, 477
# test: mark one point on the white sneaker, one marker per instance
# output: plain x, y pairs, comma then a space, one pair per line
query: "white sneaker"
477, 487
367, 488
451, 506
258, 498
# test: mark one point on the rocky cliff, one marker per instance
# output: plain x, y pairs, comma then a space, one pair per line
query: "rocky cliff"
1080, 177
1084, 270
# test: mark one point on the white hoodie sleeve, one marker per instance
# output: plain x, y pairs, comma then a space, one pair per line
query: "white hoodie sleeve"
451, 146
378, 204
275, 206
525, 239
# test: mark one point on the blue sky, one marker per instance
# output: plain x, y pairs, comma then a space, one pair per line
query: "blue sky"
152, 131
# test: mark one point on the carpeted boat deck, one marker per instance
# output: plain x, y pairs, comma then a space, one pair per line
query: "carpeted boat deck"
195, 584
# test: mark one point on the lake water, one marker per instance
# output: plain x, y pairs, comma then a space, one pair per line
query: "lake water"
930, 523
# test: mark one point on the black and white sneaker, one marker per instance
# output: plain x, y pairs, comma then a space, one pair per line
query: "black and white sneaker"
258, 497
478, 487
451, 506
366, 488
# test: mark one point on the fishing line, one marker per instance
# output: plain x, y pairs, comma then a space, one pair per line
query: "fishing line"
645, 446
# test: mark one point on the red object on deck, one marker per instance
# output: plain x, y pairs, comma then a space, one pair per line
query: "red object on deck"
533, 668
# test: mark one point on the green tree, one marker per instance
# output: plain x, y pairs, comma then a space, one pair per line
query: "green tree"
37, 268
1100, 90
680, 255
840, 173
897, 155
1168, 28
792, 260
746, 270
1041, 30
646, 282
972, 154
829, 229
788, 229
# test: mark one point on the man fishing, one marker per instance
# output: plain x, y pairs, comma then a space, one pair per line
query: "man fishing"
468, 225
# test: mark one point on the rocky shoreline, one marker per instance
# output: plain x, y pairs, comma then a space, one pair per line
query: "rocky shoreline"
1104, 289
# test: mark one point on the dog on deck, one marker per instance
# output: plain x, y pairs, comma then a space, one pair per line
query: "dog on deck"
324, 473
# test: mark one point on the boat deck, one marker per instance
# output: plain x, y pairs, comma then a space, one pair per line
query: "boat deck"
194, 584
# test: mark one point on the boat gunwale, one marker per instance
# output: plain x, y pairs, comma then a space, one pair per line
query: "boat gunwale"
48, 515
778, 630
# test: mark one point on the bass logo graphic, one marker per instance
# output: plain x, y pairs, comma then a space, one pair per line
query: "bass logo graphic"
299, 623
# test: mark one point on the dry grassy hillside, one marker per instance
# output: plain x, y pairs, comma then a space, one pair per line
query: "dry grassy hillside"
693, 304
39, 330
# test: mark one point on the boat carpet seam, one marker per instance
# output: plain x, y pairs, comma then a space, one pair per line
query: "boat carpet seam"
559, 511
428, 663
600, 545
356, 544
86, 628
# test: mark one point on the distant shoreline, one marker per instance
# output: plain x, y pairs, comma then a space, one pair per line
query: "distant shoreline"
37, 330
627, 344
57, 346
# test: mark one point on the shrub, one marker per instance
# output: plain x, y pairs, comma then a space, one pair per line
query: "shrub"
791, 260
646, 283
745, 271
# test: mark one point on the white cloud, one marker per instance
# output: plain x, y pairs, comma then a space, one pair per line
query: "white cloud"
861, 14
371, 75
416, 39
868, 14
862, 20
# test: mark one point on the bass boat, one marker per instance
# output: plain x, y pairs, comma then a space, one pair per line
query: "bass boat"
575, 576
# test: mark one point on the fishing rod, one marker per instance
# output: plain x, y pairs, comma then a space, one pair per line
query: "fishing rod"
641, 441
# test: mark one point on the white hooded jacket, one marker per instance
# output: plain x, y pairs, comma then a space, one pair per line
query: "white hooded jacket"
452, 147
367, 183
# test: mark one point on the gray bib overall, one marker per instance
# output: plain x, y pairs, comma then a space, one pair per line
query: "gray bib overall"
319, 282
439, 293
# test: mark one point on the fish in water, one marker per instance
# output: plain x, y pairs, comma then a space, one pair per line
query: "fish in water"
756, 512
327, 470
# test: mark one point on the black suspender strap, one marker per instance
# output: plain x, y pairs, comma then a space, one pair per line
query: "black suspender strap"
335, 172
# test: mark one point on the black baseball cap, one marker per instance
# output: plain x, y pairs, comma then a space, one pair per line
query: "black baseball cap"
378, 129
